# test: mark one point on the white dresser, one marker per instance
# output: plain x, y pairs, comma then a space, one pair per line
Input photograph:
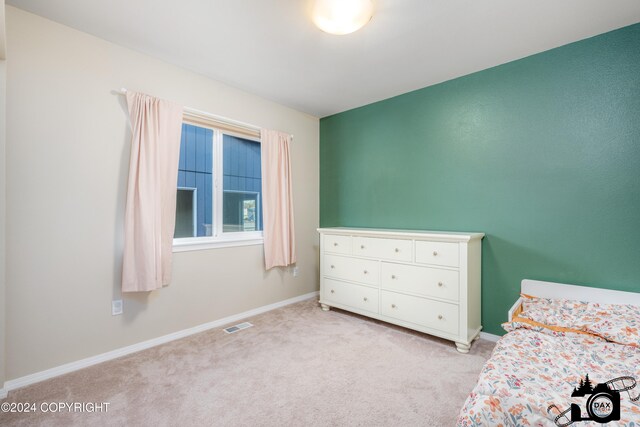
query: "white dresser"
423, 280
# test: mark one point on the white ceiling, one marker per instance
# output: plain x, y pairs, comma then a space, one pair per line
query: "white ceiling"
271, 48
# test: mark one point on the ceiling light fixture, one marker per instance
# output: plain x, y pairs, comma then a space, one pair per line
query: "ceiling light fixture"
342, 16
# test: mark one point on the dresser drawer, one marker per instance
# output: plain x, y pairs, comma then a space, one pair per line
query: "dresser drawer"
392, 249
337, 243
438, 253
421, 311
427, 281
353, 269
356, 296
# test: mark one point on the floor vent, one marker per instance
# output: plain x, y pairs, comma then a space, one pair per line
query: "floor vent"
238, 327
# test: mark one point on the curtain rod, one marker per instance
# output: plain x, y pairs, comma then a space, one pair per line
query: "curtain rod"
189, 110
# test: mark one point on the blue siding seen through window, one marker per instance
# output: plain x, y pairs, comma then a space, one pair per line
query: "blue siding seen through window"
242, 185
195, 172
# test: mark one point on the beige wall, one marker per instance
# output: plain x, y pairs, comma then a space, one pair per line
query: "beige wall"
67, 159
3, 72
2, 32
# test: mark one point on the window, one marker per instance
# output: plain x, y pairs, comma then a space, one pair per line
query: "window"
219, 188
242, 185
186, 218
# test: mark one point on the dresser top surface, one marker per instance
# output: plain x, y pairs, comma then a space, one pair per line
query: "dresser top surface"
387, 232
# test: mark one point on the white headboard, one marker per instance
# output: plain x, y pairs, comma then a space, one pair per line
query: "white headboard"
580, 293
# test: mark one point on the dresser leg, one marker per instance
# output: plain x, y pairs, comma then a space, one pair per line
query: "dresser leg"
325, 307
463, 348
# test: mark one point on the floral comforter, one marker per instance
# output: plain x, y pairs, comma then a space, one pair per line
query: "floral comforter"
530, 371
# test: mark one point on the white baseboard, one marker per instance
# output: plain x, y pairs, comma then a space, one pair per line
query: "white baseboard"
114, 354
489, 337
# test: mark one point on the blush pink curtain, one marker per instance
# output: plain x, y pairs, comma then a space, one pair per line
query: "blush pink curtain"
277, 200
151, 195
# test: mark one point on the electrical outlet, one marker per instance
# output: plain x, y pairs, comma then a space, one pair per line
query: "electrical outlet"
116, 307
295, 271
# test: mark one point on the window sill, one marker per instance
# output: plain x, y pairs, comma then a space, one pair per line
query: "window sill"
199, 244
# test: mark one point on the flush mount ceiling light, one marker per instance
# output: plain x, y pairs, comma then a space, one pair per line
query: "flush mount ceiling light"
342, 16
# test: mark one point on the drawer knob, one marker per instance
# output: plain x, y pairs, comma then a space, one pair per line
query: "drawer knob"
366, 299
361, 246
333, 266
435, 253
440, 284
332, 291
397, 250
393, 276
439, 316
366, 272
335, 243
393, 306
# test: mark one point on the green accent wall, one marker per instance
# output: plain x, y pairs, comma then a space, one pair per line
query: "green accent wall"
542, 154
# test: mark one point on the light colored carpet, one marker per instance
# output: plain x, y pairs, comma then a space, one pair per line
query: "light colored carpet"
298, 366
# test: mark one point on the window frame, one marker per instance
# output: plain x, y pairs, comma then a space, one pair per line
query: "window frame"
219, 239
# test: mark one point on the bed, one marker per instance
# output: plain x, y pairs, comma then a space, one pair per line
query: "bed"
557, 335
